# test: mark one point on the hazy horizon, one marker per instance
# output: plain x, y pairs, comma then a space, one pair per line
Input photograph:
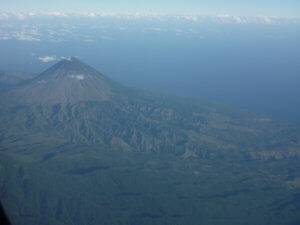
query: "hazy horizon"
246, 62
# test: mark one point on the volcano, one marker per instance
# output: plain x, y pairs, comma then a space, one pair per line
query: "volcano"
68, 81
79, 104
79, 148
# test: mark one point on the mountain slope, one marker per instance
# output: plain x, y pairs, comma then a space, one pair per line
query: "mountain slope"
68, 81
72, 102
79, 148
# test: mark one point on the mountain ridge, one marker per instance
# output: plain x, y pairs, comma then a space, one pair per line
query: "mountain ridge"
68, 81
80, 105
117, 155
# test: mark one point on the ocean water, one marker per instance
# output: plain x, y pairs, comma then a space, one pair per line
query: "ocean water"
251, 66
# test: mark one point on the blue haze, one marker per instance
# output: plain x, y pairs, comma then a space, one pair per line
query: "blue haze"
251, 66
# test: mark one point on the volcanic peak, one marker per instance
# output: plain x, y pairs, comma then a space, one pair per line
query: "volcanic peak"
68, 81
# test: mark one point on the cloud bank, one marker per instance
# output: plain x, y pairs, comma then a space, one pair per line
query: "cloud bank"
223, 17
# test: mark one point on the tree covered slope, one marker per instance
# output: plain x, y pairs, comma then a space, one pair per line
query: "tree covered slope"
79, 148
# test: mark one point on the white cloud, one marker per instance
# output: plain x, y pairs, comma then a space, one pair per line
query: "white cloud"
192, 18
225, 18
77, 77
46, 59
238, 19
91, 14
219, 18
33, 31
55, 13
108, 14
4, 38
4, 15
5, 35
19, 15
24, 37
268, 20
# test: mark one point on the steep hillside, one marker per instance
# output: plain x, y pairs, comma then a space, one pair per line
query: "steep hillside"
79, 148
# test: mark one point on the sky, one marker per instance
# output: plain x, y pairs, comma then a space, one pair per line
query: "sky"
279, 8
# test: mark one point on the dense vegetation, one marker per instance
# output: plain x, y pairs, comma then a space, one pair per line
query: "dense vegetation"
135, 157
